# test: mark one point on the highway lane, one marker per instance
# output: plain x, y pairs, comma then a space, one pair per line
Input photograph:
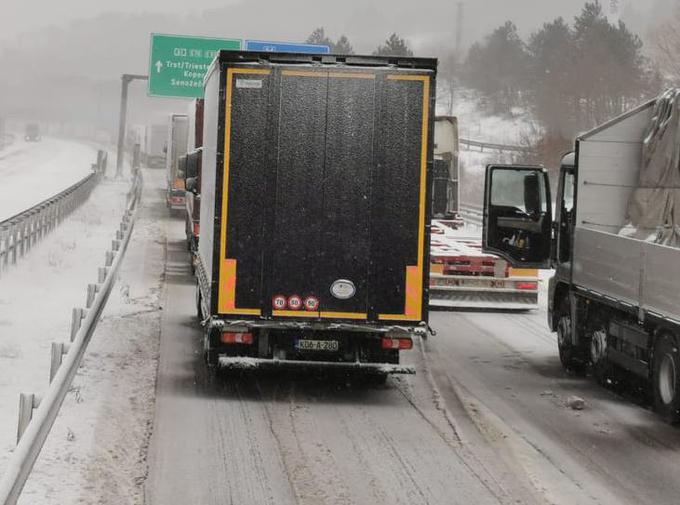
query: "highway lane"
506, 370
484, 420
34, 171
291, 438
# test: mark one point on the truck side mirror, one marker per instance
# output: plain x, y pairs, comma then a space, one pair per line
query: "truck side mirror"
518, 215
191, 184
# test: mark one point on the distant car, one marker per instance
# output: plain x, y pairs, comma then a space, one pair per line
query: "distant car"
32, 133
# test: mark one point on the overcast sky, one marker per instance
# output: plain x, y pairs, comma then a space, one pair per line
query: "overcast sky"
85, 45
420, 20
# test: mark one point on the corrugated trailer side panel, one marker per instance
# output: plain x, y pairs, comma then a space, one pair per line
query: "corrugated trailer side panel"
325, 177
210, 162
244, 180
400, 237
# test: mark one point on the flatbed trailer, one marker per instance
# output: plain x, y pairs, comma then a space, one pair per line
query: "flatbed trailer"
462, 276
315, 199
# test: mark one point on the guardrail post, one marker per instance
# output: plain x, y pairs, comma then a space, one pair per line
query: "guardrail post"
56, 354
101, 274
27, 402
115, 245
91, 293
77, 316
109, 258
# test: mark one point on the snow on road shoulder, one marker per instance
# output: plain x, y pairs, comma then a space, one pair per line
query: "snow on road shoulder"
37, 295
96, 452
35, 171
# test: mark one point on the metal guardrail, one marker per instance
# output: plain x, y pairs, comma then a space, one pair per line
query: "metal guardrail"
19, 233
35, 427
469, 145
472, 214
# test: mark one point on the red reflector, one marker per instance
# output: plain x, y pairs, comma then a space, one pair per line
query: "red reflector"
237, 338
388, 343
526, 285
397, 343
405, 344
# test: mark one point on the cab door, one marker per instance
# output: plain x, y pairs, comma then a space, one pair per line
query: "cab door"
518, 215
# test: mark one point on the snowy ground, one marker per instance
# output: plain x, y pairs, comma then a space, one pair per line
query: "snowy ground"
34, 171
96, 450
476, 124
31, 316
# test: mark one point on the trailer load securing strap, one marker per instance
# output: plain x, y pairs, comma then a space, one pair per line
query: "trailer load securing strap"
654, 205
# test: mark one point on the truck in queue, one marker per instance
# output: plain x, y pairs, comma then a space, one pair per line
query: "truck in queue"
614, 300
192, 196
176, 148
315, 211
32, 133
154, 145
461, 275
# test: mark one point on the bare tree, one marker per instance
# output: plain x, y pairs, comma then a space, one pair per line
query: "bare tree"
666, 47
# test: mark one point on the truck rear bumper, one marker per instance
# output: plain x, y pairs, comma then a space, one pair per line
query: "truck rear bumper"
483, 299
483, 292
246, 363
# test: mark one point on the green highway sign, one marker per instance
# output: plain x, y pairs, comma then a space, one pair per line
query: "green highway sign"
177, 64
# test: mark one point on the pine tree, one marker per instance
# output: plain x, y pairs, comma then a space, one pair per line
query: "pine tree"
552, 56
394, 46
318, 36
498, 67
342, 46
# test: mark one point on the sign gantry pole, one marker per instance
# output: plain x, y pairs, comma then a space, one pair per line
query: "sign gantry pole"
126, 79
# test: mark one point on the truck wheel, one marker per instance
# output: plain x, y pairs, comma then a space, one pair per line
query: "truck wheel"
570, 355
665, 376
199, 301
210, 355
599, 364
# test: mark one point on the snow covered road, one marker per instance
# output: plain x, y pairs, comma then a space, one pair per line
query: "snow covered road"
485, 420
34, 171
296, 439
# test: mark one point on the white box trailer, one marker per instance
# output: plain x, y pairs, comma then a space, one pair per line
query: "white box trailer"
155, 145
177, 143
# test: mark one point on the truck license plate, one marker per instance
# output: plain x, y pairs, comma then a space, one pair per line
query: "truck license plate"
318, 345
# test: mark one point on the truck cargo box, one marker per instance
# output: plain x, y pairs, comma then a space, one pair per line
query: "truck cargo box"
636, 272
178, 138
316, 189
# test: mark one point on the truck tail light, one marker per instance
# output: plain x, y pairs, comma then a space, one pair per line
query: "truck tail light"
403, 344
527, 285
237, 338
197, 229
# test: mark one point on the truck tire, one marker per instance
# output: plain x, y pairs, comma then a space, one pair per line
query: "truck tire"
666, 378
210, 355
199, 301
571, 356
599, 364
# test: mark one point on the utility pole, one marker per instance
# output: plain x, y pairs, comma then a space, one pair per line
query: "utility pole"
459, 27
126, 80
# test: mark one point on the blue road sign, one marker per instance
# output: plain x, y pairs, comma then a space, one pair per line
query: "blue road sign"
285, 47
